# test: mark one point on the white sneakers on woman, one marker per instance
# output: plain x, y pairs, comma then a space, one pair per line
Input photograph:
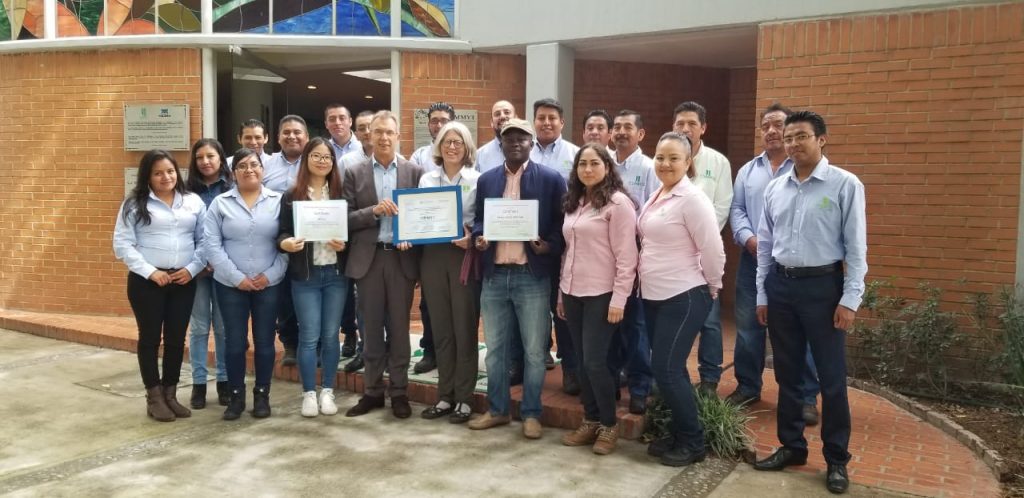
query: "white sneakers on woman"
327, 406
309, 406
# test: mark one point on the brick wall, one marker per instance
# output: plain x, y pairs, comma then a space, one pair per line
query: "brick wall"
62, 169
926, 108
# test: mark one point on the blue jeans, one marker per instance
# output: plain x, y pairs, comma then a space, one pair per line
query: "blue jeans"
206, 309
319, 303
632, 350
709, 351
236, 308
750, 338
673, 324
512, 291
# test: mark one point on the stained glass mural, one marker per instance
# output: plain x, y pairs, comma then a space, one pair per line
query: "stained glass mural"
21, 19
303, 17
128, 17
432, 18
239, 16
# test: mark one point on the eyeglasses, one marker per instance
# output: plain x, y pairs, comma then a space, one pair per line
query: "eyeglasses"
439, 121
458, 144
248, 166
319, 158
800, 137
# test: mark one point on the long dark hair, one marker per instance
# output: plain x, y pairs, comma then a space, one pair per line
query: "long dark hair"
603, 192
300, 192
138, 200
195, 178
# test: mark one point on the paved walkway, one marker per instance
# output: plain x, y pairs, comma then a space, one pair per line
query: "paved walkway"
893, 450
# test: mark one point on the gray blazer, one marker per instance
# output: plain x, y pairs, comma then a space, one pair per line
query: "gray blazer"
363, 227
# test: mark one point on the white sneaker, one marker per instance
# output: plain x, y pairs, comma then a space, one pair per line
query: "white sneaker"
309, 407
327, 406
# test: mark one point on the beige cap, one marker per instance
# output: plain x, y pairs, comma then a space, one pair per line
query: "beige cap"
518, 124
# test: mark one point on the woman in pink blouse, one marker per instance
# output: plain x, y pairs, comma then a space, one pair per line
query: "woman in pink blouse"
680, 270
598, 272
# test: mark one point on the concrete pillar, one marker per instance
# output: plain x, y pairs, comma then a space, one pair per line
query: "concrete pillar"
549, 73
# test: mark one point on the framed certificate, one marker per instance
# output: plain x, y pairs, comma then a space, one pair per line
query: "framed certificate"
320, 221
510, 220
428, 215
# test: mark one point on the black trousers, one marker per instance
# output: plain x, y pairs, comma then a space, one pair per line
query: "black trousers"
587, 319
160, 312
800, 313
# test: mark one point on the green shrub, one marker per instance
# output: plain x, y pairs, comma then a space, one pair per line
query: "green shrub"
725, 425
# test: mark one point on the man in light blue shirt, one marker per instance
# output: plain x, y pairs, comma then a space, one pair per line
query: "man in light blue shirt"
489, 155
282, 168
812, 223
338, 121
745, 213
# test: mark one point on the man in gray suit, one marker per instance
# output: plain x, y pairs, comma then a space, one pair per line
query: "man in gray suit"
385, 273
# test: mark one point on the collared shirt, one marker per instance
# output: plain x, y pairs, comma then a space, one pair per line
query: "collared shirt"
465, 179
637, 173
322, 253
511, 253
714, 177
241, 242
424, 156
340, 150
209, 192
489, 156
170, 241
748, 195
557, 155
385, 181
816, 222
600, 250
353, 158
279, 173
680, 244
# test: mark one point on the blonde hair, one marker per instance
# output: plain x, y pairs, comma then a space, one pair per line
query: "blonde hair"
467, 138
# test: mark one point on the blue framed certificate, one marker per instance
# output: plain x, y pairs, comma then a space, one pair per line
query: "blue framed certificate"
431, 215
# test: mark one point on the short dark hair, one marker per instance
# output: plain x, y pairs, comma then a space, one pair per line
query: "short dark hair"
252, 123
442, 106
548, 102
363, 114
776, 107
291, 117
636, 117
335, 105
691, 106
601, 113
817, 122
244, 153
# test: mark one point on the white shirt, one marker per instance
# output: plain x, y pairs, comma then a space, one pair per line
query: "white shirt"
466, 179
489, 156
424, 156
557, 155
637, 173
714, 177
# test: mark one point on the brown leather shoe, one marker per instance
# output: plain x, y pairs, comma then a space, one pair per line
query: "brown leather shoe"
170, 396
532, 428
365, 405
400, 406
156, 405
607, 437
487, 421
585, 434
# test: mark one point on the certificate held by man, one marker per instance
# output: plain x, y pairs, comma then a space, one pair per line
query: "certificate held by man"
321, 221
428, 215
510, 220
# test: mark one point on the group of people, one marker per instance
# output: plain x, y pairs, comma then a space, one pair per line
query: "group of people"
627, 268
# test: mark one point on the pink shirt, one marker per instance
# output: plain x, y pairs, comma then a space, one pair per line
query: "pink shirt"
600, 250
511, 253
680, 245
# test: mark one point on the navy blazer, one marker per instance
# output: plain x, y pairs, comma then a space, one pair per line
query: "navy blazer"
538, 182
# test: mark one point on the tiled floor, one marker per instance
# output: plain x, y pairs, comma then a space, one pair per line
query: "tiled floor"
892, 449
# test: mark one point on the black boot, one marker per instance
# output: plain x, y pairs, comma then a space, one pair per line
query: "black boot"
198, 400
223, 393
236, 404
261, 401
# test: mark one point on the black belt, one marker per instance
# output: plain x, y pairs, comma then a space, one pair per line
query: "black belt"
387, 246
168, 270
808, 271
511, 267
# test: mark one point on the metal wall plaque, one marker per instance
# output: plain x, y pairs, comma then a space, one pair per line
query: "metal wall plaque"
156, 126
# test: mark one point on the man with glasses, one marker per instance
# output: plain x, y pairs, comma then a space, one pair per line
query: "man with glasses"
811, 263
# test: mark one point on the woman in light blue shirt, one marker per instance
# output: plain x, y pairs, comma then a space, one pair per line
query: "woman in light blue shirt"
208, 176
240, 241
156, 234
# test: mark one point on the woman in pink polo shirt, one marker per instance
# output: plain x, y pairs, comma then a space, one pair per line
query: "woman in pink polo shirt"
598, 272
681, 266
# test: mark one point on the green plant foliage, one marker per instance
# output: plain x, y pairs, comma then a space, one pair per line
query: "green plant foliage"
5, 24
1011, 358
725, 425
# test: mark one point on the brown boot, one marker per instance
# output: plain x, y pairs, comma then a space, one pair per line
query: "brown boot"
156, 405
585, 434
607, 437
180, 411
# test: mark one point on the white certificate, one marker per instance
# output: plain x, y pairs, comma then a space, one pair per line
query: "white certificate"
428, 215
510, 220
321, 221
